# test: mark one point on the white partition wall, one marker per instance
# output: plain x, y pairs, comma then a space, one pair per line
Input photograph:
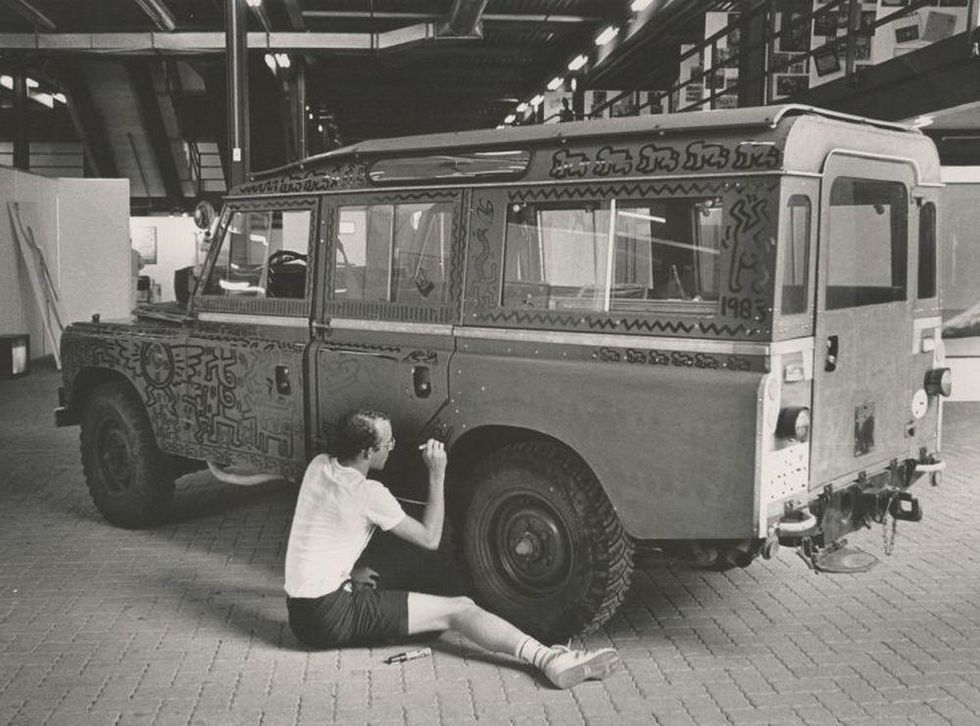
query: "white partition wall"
82, 229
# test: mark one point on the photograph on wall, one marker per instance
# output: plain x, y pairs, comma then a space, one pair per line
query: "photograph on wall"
826, 24
145, 242
826, 62
624, 106
794, 31
938, 26
907, 33
791, 85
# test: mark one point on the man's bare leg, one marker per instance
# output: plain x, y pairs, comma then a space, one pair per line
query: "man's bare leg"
427, 613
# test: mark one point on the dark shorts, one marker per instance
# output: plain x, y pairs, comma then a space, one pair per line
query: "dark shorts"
361, 616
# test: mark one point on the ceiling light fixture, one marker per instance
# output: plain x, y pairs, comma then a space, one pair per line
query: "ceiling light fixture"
536, 101
511, 118
577, 62
254, 3
283, 60
270, 60
7, 82
555, 83
521, 107
638, 6
606, 35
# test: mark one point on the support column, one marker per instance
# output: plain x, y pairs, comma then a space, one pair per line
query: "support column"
236, 60
295, 87
22, 144
752, 56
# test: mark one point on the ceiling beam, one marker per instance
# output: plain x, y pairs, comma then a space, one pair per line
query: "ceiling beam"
190, 42
159, 13
487, 17
465, 17
34, 16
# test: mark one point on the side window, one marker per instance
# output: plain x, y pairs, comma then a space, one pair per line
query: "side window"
394, 253
867, 243
795, 254
927, 251
666, 250
262, 255
556, 256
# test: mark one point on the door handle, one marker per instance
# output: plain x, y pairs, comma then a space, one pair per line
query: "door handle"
830, 362
421, 381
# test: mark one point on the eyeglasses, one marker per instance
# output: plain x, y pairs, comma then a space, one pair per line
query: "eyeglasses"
387, 445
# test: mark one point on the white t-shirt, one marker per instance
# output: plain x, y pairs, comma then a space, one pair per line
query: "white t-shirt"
337, 511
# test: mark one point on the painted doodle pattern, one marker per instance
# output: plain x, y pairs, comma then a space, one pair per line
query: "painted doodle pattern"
680, 359
654, 158
744, 308
205, 399
351, 175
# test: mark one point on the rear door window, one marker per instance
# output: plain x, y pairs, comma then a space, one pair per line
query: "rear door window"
868, 243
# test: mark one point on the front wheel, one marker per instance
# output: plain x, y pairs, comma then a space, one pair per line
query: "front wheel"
130, 480
541, 545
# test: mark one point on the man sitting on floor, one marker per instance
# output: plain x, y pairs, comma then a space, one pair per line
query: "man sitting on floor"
331, 603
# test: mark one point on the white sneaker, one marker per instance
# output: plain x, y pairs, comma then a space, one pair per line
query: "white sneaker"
566, 668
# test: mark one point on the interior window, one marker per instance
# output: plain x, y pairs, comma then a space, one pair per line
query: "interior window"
666, 250
262, 254
867, 243
795, 254
394, 253
556, 256
927, 251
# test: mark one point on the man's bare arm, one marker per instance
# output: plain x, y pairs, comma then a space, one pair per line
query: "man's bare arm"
428, 532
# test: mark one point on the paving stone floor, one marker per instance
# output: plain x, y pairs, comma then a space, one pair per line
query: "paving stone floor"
185, 623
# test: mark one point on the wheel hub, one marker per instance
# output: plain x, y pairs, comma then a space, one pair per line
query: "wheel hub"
532, 547
115, 458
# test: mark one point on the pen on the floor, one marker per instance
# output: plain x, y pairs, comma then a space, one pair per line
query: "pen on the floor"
409, 655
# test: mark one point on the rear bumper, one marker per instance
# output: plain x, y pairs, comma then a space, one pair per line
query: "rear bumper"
835, 513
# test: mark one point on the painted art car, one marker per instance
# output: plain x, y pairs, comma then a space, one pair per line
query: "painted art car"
714, 330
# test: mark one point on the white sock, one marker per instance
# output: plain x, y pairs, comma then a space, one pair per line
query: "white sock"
532, 652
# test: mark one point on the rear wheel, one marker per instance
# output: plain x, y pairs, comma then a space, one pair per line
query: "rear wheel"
541, 545
130, 480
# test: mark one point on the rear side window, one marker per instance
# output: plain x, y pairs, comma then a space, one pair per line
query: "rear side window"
263, 254
393, 253
867, 247
795, 256
629, 255
927, 251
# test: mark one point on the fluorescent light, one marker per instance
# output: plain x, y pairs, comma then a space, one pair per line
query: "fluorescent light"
511, 118
577, 62
7, 82
606, 35
31, 83
521, 107
283, 60
254, 3
536, 101
555, 83
59, 97
638, 6
44, 99
270, 60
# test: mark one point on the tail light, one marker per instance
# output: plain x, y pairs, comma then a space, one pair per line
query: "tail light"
939, 382
794, 423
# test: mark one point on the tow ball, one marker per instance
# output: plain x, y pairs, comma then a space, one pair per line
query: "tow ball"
905, 507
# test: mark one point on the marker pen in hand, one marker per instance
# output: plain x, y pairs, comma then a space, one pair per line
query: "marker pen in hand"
410, 655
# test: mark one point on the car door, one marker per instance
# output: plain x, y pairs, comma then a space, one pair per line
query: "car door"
243, 400
385, 327
863, 325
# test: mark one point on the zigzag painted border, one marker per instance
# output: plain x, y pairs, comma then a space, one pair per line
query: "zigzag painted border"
629, 325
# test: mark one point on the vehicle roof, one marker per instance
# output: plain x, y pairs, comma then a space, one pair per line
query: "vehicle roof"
763, 123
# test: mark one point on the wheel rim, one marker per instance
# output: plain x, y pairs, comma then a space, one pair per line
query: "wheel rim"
529, 545
115, 457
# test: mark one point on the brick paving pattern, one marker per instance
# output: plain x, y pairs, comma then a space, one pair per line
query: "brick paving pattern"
185, 623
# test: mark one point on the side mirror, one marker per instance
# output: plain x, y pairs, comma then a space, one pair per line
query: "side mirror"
204, 215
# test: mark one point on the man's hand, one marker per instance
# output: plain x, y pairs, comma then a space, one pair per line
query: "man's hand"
364, 577
434, 456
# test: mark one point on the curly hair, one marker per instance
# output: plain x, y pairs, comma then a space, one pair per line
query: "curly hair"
356, 432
